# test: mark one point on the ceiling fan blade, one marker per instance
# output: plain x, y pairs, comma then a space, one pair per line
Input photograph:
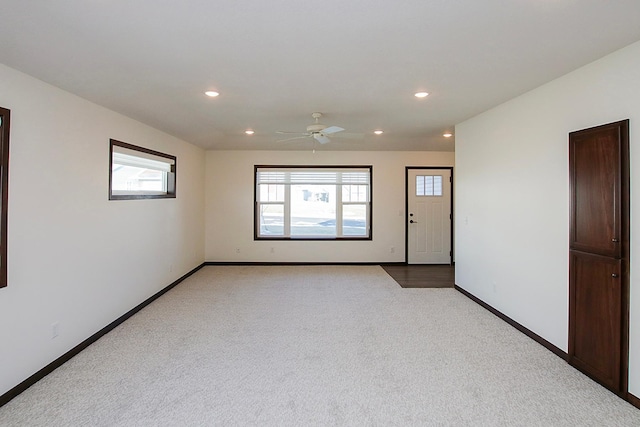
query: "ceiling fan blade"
331, 129
321, 138
348, 135
295, 137
293, 133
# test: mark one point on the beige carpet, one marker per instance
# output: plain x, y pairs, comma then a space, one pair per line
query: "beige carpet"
319, 346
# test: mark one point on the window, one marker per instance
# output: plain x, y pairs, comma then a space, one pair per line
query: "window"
140, 173
321, 202
5, 116
429, 185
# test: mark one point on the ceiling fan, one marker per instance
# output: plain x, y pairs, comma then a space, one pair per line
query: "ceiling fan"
318, 131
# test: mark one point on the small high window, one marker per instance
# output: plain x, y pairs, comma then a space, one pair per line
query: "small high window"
139, 173
299, 202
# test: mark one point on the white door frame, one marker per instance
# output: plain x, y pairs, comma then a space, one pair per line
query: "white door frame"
406, 208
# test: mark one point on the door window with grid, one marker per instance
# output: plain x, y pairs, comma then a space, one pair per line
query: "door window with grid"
429, 185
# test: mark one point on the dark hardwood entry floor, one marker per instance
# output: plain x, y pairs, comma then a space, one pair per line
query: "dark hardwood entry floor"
421, 275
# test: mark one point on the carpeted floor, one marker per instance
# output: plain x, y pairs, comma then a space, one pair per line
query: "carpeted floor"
314, 345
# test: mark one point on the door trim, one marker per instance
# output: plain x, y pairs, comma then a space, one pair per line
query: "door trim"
406, 209
5, 117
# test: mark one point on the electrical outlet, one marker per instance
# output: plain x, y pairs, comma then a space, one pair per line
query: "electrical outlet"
55, 329
392, 250
237, 250
272, 250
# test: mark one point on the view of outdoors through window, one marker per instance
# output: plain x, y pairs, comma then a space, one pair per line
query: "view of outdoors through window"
137, 179
138, 172
330, 207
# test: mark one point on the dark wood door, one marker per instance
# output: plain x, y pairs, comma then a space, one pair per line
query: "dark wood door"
596, 316
599, 253
595, 191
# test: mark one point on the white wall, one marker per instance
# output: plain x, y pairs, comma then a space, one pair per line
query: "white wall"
230, 197
75, 257
512, 195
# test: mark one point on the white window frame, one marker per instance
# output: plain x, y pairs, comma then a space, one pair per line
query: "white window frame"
363, 174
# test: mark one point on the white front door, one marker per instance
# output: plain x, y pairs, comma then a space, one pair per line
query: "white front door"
429, 216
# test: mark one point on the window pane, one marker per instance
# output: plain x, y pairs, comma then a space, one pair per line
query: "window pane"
140, 173
323, 202
354, 193
272, 193
429, 185
131, 179
354, 220
419, 185
271, 220
313, 210
437, 185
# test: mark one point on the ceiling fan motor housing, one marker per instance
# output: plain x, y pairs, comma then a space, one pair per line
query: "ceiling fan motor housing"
315, 128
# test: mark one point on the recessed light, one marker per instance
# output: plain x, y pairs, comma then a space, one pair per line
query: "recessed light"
378, 132
447, 135
249, 132
421, 94
211, 93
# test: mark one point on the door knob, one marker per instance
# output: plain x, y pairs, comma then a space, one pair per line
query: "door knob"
614, 275
614, 240
413, 222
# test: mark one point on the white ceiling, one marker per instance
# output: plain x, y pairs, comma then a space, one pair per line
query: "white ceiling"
277, 61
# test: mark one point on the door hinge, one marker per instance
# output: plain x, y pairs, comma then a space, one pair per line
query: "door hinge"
450, 216
450, 179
